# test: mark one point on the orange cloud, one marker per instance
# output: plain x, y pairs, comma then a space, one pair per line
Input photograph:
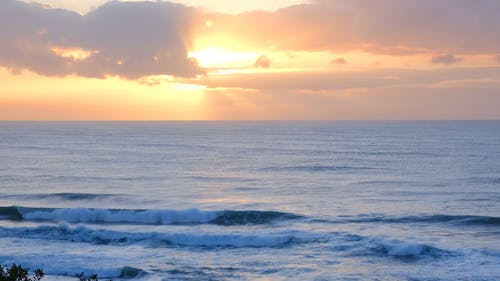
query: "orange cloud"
385, 26
338, 61
341, 80
404, 102
262, 61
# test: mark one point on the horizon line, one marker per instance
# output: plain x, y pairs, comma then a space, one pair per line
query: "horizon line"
247, 120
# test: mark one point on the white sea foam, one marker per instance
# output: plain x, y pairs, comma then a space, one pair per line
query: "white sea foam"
84, 215
231, 240
400, 249
67, 267
158, 239
358, 245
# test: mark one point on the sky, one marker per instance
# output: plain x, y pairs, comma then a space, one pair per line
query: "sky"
249, 60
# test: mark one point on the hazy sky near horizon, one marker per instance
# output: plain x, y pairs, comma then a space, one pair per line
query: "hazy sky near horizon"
281, 59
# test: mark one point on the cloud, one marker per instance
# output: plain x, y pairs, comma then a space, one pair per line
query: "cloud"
383, 26
446, 59
468, 93
497, 58
127, 39
262, 61
463, 100
341, 80
79, 6
338, 61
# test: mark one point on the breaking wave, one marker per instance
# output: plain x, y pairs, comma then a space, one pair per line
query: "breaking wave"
156, 239
224, 217
71, 269
356, 245
151, 217
404, 250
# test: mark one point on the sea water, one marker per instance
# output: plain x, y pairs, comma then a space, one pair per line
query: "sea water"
252, 200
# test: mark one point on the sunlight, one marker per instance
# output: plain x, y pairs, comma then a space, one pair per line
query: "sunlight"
222, 58
208, 24
113, 98
76, 54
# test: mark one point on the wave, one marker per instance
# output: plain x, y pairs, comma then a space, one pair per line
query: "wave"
10, 213
483, 180
490, 252
225, 217
356, 245
314, 168
348, 244
404, 250
229, 217
67, 196
155, 239
74, 196
143, 216
458, 219
70, 269
437, 218
126, 272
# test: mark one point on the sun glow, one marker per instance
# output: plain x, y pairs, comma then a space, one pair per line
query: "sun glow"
77, 54
222, 58
113, 98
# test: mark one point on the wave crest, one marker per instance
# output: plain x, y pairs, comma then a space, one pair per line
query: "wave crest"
357, 245
156, 239
436, 218
148, 217
86, 215
404, 250
251, 217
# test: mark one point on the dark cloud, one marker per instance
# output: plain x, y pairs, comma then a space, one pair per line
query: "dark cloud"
128, 39
382, 26
262, 61
446, 59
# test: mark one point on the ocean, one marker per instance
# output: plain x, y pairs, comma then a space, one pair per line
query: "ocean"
291, 200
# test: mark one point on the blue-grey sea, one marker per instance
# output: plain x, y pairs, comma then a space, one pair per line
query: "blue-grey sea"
252, 200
